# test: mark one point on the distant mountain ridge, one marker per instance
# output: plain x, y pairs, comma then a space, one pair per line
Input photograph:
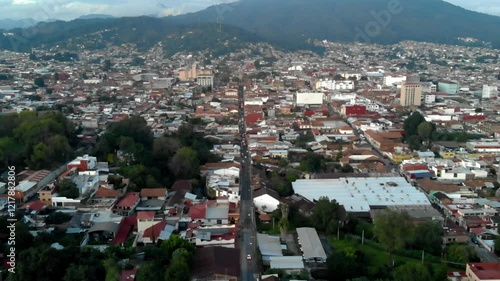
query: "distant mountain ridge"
290, 24
376, 21
94, 16
7, 24
10, 23
145, 32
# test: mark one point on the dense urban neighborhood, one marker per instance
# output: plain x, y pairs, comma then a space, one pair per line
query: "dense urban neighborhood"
365, 162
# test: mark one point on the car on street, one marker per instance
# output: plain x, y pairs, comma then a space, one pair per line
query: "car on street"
249, 257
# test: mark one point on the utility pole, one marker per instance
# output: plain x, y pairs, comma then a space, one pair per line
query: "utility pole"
363, 237
423, 256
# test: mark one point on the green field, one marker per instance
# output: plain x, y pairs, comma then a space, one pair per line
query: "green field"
377, 258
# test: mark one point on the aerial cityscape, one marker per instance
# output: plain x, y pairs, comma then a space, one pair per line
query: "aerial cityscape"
253, 140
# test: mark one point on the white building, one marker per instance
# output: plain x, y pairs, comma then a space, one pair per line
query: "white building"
309, 99
484, 146
361, 194
489, 92
429, 99
266, 200
205, 80
335, 85
391, 80
92, 81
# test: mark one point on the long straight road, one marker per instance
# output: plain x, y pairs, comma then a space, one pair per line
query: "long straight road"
247, 229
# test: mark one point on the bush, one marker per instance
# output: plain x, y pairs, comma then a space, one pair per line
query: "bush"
57, 218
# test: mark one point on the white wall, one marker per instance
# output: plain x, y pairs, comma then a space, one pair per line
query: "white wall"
309, 98
268, 201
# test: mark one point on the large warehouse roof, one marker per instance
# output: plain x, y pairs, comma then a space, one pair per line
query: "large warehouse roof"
358, 194
310, 244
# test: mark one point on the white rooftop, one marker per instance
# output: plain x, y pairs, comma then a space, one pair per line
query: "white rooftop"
358, 194
25, 186
269, 245
287, 262
310, 244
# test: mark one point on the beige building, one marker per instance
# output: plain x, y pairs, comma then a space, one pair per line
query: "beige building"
193, 73
45, 194
411, 93
483, 271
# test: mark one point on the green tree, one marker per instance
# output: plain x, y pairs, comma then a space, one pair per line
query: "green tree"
41, 156
461, 253
39, 82
412, 272
411, 124
312, 163
173, 243
325, 217
347, 169
59, 149
57, 218
185, 164
112, 270
343, 265
165, 148
9, 122
414, 142
497, 246
428, 237
135, 127
425, 130
9, 151
178, 269
106, 66
283, 187
68, 189
393, 229
149, 272
339, 155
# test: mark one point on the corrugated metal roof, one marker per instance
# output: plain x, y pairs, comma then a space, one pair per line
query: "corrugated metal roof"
310, 244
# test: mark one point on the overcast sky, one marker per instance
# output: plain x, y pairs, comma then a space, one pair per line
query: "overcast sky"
68, 9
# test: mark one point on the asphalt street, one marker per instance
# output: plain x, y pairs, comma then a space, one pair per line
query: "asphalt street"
247, 231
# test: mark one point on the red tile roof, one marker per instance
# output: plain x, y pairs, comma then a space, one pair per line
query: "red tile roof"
485, 270
265, 217
34, 206
155, 229
254, 117
145, 215
182, 185
198, 211
127, 225
129, 200
106, 193
153, 192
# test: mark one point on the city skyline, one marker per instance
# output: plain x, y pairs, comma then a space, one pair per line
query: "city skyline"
43, 10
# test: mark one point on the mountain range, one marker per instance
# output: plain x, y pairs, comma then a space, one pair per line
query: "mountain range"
290, 24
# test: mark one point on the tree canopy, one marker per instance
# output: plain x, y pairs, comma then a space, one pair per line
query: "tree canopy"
393, 229
68, 189
40, 140
412, 272
326, 215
